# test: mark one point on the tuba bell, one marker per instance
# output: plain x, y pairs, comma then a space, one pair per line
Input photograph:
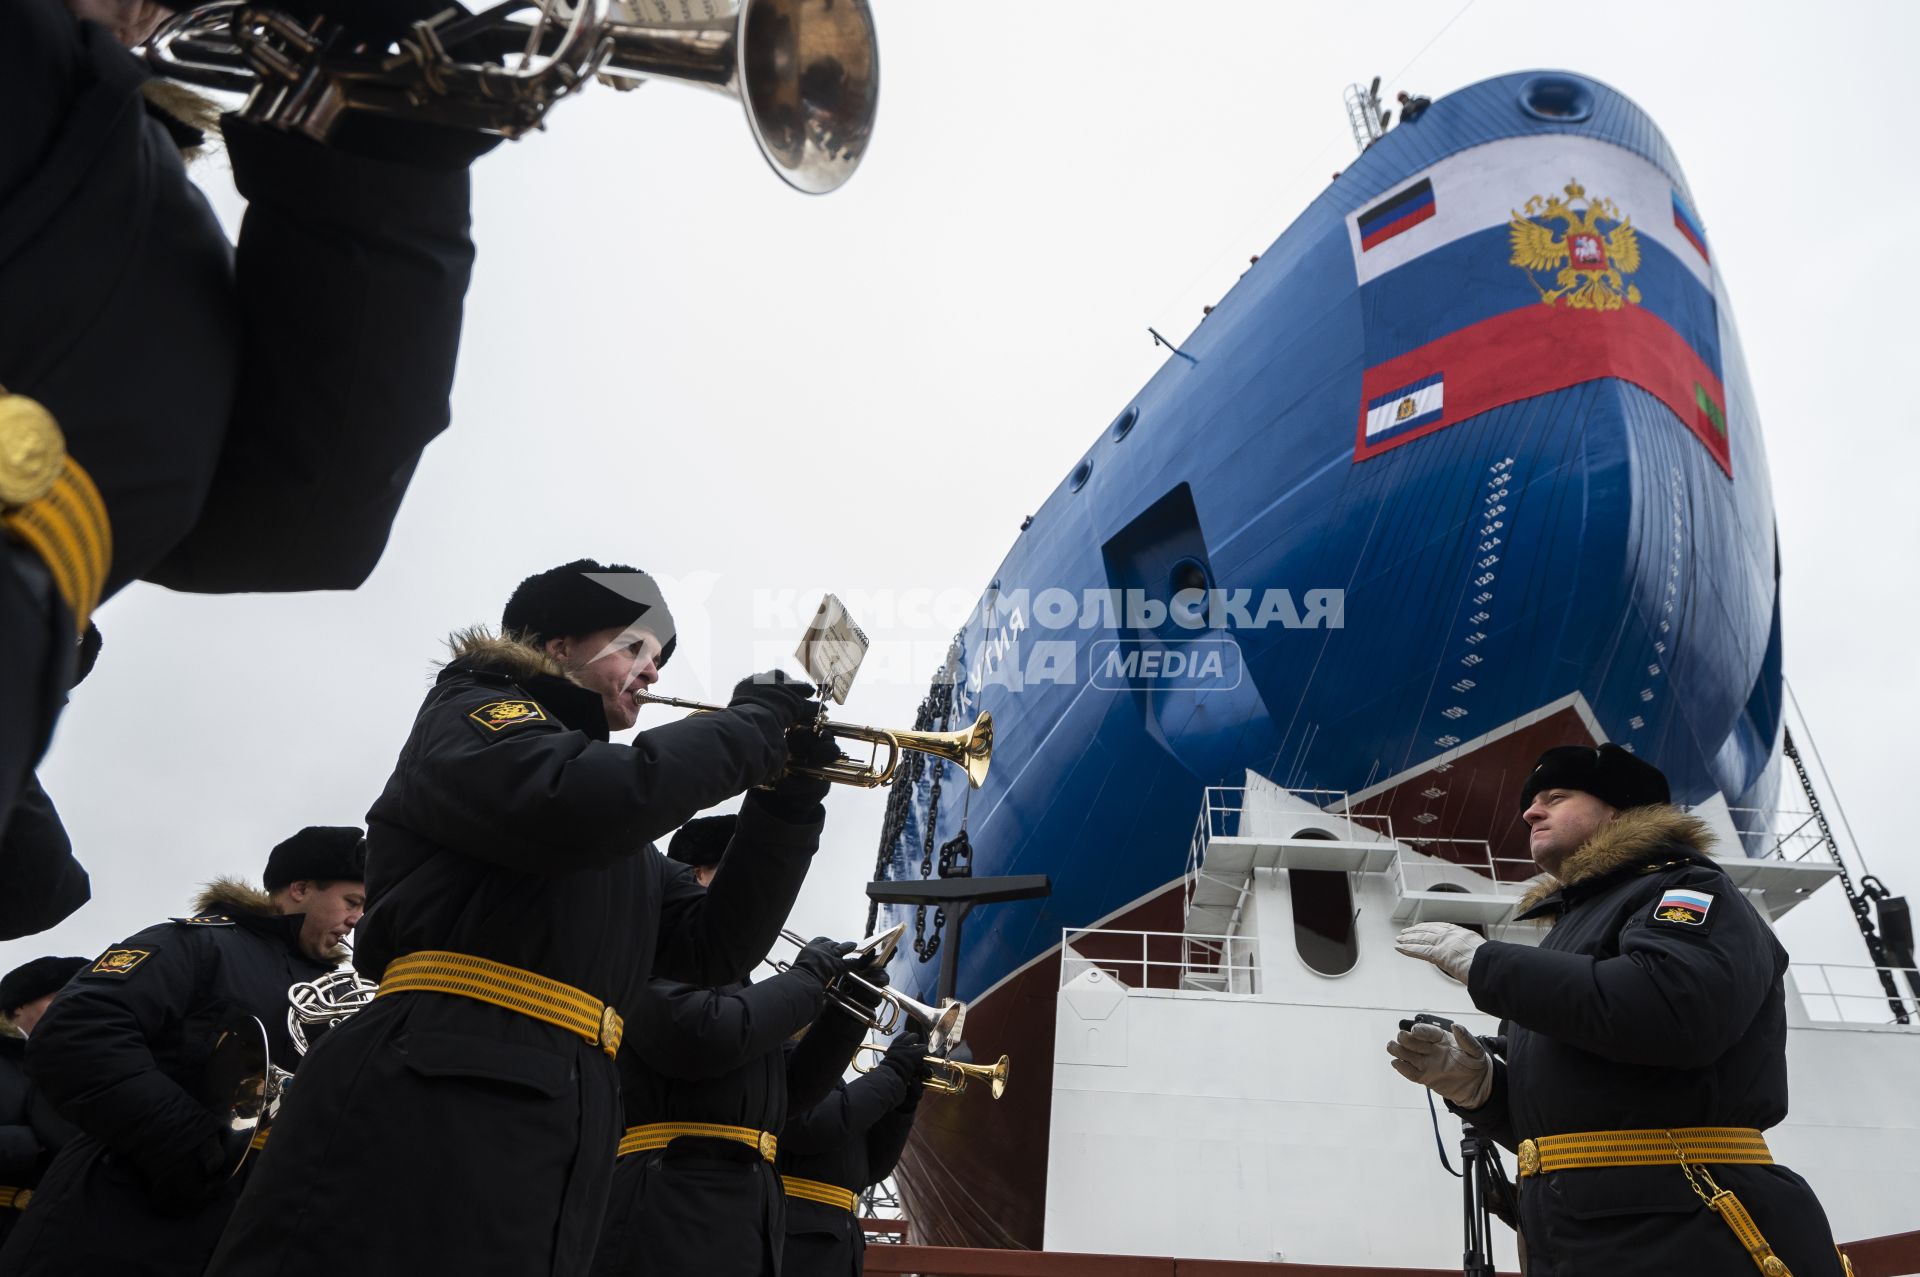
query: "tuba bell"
807, 72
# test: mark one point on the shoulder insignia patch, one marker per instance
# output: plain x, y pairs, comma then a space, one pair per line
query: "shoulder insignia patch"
1683, 908
205, 920
120, 962
501, 715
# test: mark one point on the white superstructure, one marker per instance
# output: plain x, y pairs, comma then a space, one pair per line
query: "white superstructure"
1224, 1092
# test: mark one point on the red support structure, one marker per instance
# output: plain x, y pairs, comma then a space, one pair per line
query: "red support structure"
1893, 1256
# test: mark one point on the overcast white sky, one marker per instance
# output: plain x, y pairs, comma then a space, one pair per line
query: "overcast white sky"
671, 360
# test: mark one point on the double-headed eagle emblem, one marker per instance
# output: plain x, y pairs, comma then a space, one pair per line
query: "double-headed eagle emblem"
1590, 263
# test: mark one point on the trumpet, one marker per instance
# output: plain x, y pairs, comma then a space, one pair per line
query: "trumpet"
950, 1076
971, 748
943, 1025
806, 71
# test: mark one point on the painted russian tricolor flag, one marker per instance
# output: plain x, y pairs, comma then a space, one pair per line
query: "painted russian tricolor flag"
1689, 226
1630, 295
1399, 212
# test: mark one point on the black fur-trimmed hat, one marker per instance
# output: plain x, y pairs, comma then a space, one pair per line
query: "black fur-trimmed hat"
1608, 772
36, 979
318, 853
702, 842
567, 601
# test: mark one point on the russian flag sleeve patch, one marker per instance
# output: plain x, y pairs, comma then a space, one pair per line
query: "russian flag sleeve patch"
1683, 908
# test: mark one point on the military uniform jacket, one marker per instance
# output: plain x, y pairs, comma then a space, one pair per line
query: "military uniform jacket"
511, 830
120, 1054
30, 1133
1645, 1009
252, 416
853, 1139
720, 1056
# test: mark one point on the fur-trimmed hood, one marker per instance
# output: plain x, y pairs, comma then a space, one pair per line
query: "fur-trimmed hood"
502, 656
481, 648
1640, 836
231, 896
239, 899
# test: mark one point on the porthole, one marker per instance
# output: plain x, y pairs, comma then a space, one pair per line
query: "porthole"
1556, 98
1078, 479
1123, 423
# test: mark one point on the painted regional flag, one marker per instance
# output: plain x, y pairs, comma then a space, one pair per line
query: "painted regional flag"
1524, 266
1399, 212
1405, 410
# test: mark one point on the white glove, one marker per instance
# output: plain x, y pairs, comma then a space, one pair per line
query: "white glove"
1444, 945
1451, 1065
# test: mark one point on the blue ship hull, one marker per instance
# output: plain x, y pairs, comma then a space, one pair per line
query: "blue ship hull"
1587, 562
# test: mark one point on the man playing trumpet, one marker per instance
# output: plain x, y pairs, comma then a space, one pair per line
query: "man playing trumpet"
707, 1077
516, 902
836, 1150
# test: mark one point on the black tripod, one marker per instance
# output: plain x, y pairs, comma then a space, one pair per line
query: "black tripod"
1485, 1192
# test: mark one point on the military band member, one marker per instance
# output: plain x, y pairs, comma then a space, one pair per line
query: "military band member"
1646, 1041
839, 1148
179, 409
121, 1051
706, 1080
515, 903
30, 1132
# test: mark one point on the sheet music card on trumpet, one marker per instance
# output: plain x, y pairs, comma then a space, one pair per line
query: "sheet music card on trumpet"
832, 649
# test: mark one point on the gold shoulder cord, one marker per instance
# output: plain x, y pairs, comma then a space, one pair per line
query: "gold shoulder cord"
1728, 1207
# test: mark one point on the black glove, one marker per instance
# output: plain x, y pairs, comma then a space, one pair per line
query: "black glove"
186, 1181
907, 1056
790, 699
861, 995
823, 958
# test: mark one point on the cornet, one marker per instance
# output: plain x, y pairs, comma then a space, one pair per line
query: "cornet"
943, 1025
807, 71
971, 748
949, 1075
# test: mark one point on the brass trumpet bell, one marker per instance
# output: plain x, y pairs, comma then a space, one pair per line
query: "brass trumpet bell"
943, 1025
950, 1077
807, 72
971, 748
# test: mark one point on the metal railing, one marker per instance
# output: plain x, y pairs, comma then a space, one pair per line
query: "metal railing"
1438, 869
1855, 994
1777, 833
1223, 807
1167, 960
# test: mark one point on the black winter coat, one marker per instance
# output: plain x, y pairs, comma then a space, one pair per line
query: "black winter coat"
1626, 1019
120, 1053
30, 1134
251, 414
852, 1139
722, 1056
43, 882
483, 1139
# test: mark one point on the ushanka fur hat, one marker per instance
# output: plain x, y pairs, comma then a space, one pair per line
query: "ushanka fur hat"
36, 979
583, 596
318, 853
1608, 772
